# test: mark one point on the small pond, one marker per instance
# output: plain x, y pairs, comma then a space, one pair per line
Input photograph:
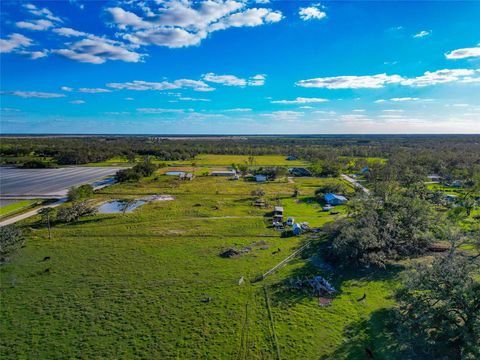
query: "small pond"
116, 206
175, 173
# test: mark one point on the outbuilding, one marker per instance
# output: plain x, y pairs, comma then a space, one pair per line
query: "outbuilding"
224, 173
260, 178
334, 199
297, 230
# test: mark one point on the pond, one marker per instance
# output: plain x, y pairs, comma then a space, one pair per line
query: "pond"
175, 173
117, 206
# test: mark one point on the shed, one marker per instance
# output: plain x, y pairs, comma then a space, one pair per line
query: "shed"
364, 170
297, 230
334, 199
434, 178
224, 173
298, 171
450, 197
260, 178
291, 158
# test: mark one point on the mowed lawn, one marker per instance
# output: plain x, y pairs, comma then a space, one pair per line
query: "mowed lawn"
151, 284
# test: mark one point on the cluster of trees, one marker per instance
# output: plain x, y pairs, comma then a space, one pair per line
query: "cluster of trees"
11, 239
438, 316
146, 168
330, 187
81, 192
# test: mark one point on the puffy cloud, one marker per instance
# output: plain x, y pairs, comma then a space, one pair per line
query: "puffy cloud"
64, 31
93, 90
422, 34
232, 80
97, 50
36, 25
33, 94
66, 88
300, 100
351, 82
32, 9
227, 80
34, 54
140, 85
182, 23
311, 12
13, 42
77, 102
464, 53
380, 80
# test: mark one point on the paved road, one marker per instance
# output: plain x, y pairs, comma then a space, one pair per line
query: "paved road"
44, 183
355, 183
26, 215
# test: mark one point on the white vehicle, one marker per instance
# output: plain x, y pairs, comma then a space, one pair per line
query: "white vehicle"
290, 221
327, 208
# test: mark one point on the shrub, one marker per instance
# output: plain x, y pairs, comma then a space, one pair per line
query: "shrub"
80, 193
11, 238
75, 211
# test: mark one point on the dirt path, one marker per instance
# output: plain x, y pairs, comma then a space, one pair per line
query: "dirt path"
355, 183
290, 180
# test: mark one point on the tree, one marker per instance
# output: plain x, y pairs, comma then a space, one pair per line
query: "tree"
81, 192
125, 204
75, 211
380, 230
11, 238
439, 309
48, 215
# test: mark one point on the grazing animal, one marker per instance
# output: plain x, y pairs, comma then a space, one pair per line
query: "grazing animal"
363, 297
369, 353
46, 258
207, 299
47, 271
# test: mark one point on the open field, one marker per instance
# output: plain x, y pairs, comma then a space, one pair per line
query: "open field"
123, 286
17, 205
205, 160
47, 182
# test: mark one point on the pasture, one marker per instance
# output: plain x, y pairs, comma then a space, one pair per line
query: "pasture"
151, 283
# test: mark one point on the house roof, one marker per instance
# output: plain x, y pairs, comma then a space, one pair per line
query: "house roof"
330, 197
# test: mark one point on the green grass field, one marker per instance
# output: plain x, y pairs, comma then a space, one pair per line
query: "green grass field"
206, 160
131, 286
17, 207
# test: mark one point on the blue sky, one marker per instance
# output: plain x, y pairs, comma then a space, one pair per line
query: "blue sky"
216, 67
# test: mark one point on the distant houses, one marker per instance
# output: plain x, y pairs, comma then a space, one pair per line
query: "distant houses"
298, 171
434, 178
227, 173
334, 199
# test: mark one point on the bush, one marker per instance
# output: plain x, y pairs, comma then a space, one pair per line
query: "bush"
80, 193
11, 238
137, 172
36, 164
333, 187
75, 211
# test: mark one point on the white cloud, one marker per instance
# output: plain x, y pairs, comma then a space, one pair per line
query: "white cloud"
97, 50
300, 100
182, 23
311, 12
32, 9
402, 99
129, 99
351, 82
93, 90
64, 31
232, 80
158, 110
34, 55
140, 85
77, 102
13, 42
192, 99
422, 34
284, 115
33, 94
464, 53
36, 25
238, 110
66, 88
381, 80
